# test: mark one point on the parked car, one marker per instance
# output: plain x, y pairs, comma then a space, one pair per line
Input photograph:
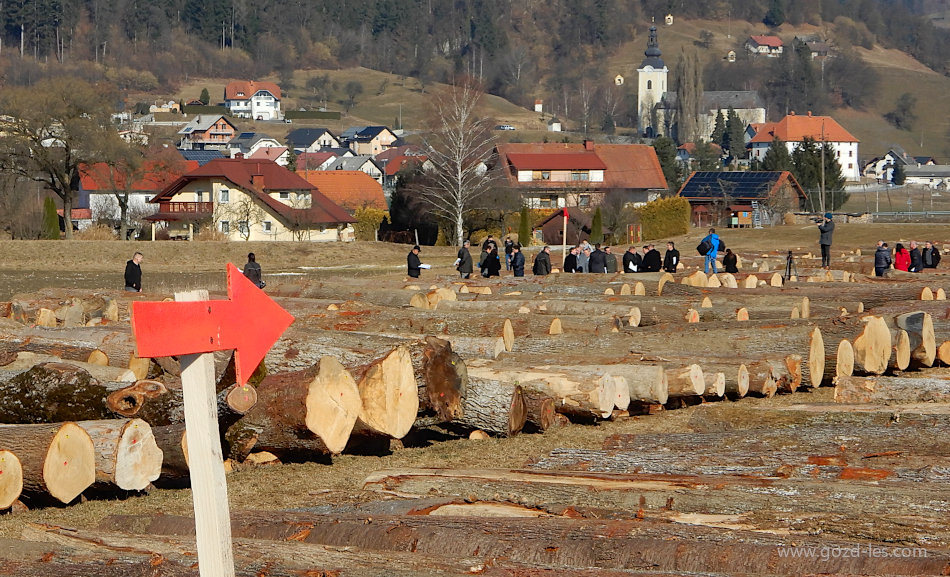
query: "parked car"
504, 127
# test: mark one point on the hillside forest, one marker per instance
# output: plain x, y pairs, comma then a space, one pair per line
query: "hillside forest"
512, 47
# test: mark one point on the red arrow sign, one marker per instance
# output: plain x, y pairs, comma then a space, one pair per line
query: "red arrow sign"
249, 322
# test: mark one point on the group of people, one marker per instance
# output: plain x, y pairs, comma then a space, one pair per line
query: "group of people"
913, 260
584, 258
133, 272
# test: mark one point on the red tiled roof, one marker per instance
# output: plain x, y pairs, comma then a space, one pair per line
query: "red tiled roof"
690, 147
397, 163
157, 175
556, 161
248, 88
270, 177
394, 151
313, 160
77, 213
766, 40
351, 189
795, 128
268, 153
630, 166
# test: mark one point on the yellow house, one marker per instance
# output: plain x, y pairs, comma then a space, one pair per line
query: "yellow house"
250, 199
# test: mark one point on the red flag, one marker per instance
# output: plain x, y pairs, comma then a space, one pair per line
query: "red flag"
565, 212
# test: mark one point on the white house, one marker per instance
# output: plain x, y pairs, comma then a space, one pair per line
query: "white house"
794, 129
254, 100
765, 45
312, 139
247, 143
651, 84
930, 175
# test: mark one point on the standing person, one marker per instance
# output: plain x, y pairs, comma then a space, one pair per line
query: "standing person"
492, 263
652, 261
827, 228
488, 241
882, 258
509, 250
916, 265
542, 262
611, 260
597, 261
632, 261
730, 262
710, 261
583, 258
133, 273
463, 263
901, 258
517, 260
252, 270
413, 263
570, 261
931, 255
671, 258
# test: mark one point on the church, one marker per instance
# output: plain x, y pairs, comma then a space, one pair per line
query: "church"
656, 106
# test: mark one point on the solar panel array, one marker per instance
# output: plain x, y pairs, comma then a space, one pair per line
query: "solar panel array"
737, 185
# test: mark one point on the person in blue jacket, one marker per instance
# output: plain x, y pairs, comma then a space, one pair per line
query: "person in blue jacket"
713, 239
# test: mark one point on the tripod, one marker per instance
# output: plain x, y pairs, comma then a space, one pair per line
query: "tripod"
790, 268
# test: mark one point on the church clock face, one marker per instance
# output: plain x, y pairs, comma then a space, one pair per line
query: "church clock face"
618, 80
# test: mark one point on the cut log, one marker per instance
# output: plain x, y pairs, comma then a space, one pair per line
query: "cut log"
476, 347
126, 454
644, 383
738, 387
58, 460
441, 377
891, 390
697, 279
624, 289
139, 366
508, 335
493, 406
750, 282
806, 308
419, 301
170, 439
640, 290
900, 355
685, 381
844, 360
388, 393
305, 413
715, 384
940, 295
26, 360
943, 353
762, 378
241, 398
692, 316
11, 479
920, 331
926, 294
555, 328
635, 317
742, 314
577, 391
872, 347
539, 410
98, 357
713, 281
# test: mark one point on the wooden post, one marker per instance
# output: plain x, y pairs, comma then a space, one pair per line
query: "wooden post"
564, 238
209, 489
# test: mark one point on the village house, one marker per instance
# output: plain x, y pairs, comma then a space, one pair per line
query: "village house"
369, 140
312, 139
247, 199
350, 189
247, 143
882, 167
936, 176
765, 45
794, 129
254, 100
207, 132
362, 163
747, 104
738, 198
555, 175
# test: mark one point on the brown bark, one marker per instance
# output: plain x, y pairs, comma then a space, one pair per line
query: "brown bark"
58, 460
171, 440
441, 376
494, 407
891, 390
539, 410
55, 392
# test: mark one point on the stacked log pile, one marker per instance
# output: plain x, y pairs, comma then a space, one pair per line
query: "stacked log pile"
392, 357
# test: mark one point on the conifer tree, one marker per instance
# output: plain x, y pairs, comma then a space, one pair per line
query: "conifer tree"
777, 157
597, 228
719, 131
50, 219
524, 227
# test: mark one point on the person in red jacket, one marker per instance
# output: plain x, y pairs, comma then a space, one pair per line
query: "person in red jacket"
901, 258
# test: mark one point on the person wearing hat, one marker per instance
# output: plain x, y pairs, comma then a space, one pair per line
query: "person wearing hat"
827, 228
413, 262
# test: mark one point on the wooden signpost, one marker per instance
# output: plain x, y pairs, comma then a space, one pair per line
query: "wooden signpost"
192, 327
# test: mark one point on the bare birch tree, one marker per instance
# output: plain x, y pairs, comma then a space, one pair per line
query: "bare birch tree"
459, 144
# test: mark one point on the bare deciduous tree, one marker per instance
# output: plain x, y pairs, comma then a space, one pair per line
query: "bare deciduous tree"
459, 144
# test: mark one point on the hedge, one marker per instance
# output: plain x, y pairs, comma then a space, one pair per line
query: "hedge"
664, 217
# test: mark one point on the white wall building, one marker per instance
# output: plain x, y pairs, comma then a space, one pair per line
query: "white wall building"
794, 129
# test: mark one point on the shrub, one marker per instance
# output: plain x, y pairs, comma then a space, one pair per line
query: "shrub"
597, 227
204, 234
367, 222
524, 227
50, 219
664, 217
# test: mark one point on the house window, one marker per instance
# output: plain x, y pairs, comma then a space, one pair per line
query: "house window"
285, 196
225, 226
541, 175
224, 196
242, 227
850, 165
266, 225
583, 200
580, 175
548, 202
649, 85
850, 153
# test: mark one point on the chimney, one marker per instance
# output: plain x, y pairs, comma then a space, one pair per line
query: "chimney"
809, 113
257, 180
588, 145
792, 113
239, 155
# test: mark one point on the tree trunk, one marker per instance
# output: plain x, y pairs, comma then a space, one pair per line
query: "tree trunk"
309, 412
171, 440
920, 331
891, 390
539, 410
685, 381
441, 375
476, 347
494, 407
126, 454
389, 395
58, 460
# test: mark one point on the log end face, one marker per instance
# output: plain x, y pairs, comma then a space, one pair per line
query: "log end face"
11, 479
138, 459
70, 464
333, 404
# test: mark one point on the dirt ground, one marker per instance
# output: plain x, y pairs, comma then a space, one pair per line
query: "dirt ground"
30, 265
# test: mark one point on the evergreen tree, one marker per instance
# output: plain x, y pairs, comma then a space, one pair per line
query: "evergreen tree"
776, 14
205, 97
50, 219
806, 162
735, 134
706, 157
672, 169
524, 227
291, 159
777, 157
719, 131
898, 175
835, 196
597, 228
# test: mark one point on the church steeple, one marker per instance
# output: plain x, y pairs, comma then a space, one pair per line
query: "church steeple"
652, 52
